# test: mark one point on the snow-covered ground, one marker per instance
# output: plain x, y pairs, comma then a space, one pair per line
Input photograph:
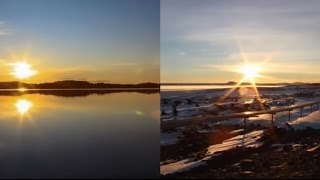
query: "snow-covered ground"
245, 141
198, 103
307, 119
190, 104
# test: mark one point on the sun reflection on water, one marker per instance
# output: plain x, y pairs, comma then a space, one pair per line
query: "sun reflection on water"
22, 89
23, 106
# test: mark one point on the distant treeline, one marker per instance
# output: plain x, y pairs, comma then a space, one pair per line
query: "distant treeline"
77, 93
72, 84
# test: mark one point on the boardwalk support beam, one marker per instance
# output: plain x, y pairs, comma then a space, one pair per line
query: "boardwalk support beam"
289, 117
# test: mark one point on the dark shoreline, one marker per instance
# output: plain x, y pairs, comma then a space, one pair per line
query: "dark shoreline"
76, 92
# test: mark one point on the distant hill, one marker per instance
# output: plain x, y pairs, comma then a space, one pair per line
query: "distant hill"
72, 84
234, 83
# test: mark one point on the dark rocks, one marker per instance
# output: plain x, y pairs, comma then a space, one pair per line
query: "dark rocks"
247, 164
297, 147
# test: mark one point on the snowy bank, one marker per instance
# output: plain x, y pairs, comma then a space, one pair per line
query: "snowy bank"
312, 120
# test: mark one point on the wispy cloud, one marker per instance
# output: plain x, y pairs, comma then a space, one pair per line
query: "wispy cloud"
283, 36
3, 30
124, 64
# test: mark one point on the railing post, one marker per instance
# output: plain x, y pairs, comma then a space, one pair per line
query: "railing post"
317, 106
301, 112
289, 116
244, 122
311, 108
272, 119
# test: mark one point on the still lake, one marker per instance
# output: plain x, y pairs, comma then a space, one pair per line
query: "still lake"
99, 135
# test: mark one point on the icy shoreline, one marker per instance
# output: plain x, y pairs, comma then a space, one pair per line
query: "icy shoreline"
197, 103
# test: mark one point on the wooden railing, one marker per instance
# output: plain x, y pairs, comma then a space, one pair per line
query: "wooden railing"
245, 115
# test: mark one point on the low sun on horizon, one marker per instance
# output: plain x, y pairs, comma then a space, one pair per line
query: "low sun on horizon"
250, 71
22, 70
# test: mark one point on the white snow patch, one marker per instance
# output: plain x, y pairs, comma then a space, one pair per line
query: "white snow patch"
312, 120
180, 166
238, 131
246, 140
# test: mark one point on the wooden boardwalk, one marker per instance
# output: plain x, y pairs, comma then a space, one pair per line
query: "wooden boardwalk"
245, 115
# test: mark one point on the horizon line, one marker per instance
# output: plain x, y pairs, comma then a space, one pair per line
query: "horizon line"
231, 82
93, 82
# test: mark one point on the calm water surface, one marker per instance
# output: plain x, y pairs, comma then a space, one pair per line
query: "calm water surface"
98, 136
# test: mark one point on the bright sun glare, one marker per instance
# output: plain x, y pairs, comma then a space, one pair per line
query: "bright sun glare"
22, 70
250, 71
23, 106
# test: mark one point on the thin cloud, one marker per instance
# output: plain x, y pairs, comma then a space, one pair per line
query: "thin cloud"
124, 64
3, 31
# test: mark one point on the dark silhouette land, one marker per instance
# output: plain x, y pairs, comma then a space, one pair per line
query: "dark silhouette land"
72, 88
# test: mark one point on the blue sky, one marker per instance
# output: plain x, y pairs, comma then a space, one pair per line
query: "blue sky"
206, 41
96, 40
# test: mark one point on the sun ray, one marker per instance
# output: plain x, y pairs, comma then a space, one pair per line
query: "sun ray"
230, 91
257, 94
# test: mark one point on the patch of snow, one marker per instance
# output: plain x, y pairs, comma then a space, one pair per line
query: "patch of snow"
311, 120
238, 131
180, 166
246, 140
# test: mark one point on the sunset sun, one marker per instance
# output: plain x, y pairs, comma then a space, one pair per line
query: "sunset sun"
250, 71
22, 70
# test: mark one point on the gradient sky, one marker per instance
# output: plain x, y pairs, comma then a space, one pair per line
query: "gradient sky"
204, 41
96, 40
